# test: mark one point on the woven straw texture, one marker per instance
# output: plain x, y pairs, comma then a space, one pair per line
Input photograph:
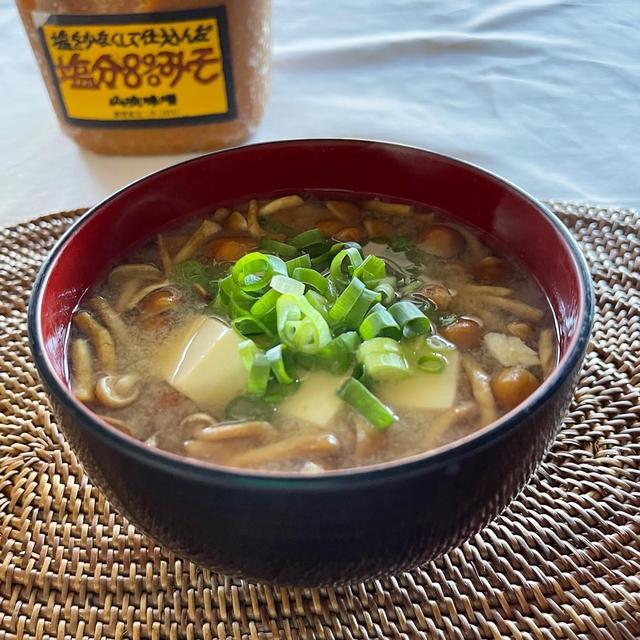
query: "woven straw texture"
562, 562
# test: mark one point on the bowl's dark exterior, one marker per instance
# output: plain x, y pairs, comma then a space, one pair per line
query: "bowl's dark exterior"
320, 531
341, 526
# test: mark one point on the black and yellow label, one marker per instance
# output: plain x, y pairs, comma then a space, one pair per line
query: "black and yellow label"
135, 70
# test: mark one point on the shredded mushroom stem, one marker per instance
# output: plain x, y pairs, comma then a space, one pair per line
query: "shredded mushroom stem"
130, 278
468, 306
110, 317
515, 307
201, 291
446, 420
117, 392
252, 220
286, 202
220, 215
545, 351
346, 212
213, 451
126, 293
475, 250
100, 338
295, 448
481, 388
81, 370
521, 330
388, 208
220, 433
236, 222
480, 289
206, 230
165, 258
195, 421
124, 273
490, 320
377, 228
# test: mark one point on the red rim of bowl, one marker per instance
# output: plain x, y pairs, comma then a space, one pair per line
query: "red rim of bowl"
441, 455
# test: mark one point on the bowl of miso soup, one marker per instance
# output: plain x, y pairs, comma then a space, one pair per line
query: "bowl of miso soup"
312, 362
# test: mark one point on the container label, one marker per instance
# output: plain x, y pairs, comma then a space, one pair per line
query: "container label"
136, 70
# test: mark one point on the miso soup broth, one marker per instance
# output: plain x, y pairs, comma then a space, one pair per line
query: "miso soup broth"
305, 335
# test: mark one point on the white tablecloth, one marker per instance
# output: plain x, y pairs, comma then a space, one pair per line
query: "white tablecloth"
543, 92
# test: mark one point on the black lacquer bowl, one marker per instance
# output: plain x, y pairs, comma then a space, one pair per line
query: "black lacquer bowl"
342, 526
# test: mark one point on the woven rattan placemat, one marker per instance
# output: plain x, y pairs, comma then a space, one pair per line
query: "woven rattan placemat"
562, 562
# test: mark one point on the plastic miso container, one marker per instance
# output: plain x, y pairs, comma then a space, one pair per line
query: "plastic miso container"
153, 76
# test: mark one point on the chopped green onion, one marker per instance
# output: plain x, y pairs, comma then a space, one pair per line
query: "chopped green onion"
259, 375
360, 375
285, 284
432, 362
286, 308
350, 340
236, 310
308, 239
277, 392
223, 297
254, 271
379, 322
301, 261
338, 355
348, 244
386, 290
386, 366
352, 304
318, 302
411, 320
318, 250
321, 262
307, 361
232, 296
371, 271
300, 325
312, 278
361, 308
366, 404
265, 304
280, 364
279, 248
378, 345
247, 350
250, 326
344, 263
383, 359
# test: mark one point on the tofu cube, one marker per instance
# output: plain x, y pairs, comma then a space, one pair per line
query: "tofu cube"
202, 361
316, 400
432, 391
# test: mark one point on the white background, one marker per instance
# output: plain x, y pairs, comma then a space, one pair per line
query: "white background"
543, 92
